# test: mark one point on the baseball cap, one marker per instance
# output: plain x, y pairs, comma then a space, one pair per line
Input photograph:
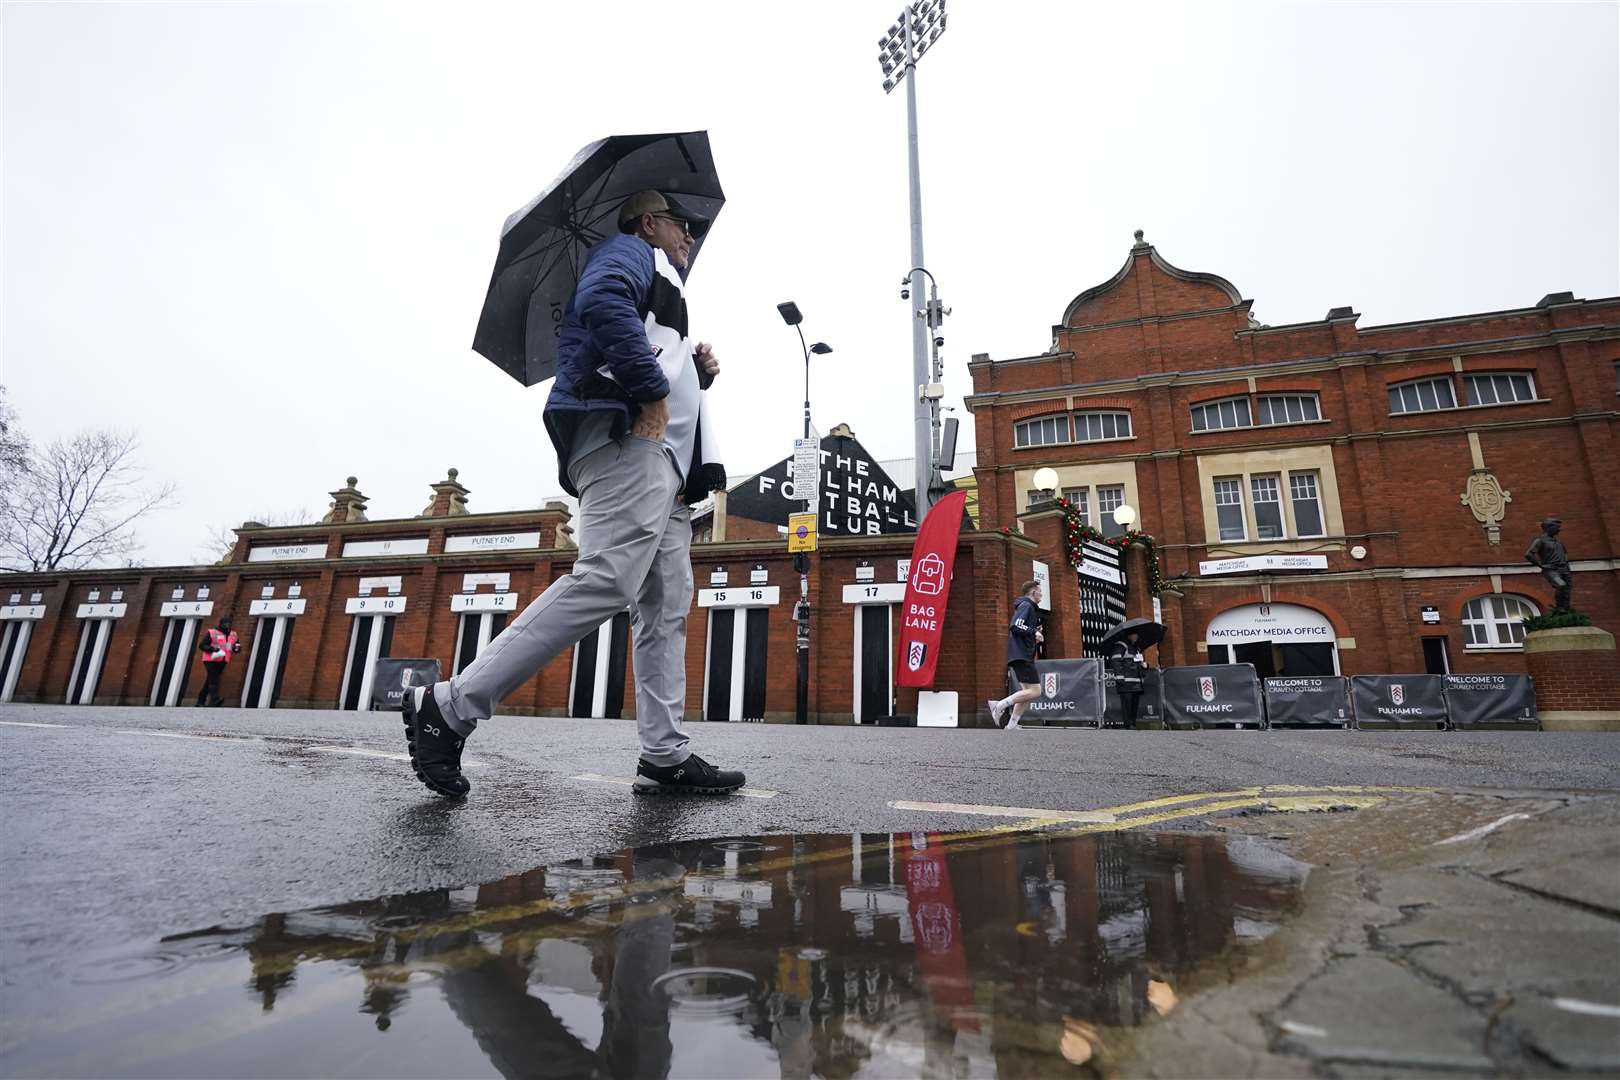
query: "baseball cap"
654, 202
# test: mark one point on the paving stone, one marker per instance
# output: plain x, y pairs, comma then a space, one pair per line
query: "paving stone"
1572, 1039
1571, 853
1489, 939
1373, 1011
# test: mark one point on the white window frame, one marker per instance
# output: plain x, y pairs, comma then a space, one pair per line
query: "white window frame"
1236, 483
1416, 385
1122, 419
1022, 428
1487, 622
1285, 397
1315, 479
1472, 379
1274, 482
1080, 499
1105, 517
1240, 423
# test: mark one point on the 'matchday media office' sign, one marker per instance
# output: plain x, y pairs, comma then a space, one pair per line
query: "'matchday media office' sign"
855, 497
1255, 564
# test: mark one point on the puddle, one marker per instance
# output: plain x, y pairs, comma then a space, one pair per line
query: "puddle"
829, 955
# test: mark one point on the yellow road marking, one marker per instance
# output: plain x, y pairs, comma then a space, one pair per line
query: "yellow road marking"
1097, 816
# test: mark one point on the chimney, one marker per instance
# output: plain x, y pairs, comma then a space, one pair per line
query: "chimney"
449, 498
347, 504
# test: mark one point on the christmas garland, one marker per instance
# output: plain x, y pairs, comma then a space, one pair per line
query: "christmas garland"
1075, 530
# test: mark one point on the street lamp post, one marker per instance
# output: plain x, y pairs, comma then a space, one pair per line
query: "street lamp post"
801, 562
933, 317
916, 30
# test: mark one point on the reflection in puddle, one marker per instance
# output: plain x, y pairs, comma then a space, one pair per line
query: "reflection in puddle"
791, 956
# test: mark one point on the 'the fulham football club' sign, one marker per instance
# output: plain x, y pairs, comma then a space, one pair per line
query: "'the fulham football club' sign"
856, 497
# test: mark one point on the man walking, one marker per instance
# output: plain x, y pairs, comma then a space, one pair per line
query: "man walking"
626, 417
217, 646
1023, 635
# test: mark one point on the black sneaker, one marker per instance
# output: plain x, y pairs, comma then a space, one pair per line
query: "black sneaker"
694, 776
435, 749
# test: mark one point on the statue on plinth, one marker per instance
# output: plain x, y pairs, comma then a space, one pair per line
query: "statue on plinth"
1547, 552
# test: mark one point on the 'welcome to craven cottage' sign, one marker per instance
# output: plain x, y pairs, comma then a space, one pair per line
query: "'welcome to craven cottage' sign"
857, 498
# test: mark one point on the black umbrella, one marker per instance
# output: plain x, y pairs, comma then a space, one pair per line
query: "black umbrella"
543, 245
1138, 634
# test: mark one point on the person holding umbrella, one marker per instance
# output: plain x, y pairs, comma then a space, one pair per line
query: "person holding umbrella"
626, 416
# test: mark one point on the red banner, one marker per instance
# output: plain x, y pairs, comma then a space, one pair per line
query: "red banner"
922, 616
936, 926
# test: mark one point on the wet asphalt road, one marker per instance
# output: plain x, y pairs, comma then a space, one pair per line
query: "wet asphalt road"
123, 824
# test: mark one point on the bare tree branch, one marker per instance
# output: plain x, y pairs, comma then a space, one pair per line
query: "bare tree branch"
76, 504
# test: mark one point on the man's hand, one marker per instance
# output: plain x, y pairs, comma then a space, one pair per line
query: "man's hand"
706, 359
652, 420
1039, 637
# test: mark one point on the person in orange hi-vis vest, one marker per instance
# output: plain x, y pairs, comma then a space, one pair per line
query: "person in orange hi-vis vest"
217, 646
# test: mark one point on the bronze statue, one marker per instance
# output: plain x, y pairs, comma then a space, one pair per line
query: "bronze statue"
1547, 552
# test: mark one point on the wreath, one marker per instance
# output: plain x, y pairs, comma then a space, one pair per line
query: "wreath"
1076, 530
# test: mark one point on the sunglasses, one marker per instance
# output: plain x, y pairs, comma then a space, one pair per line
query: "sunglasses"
686, 226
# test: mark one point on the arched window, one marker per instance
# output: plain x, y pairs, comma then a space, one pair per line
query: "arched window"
1493, 622
1042, 431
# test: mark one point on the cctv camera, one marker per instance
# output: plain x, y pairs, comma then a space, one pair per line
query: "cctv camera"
939, 343
905, 294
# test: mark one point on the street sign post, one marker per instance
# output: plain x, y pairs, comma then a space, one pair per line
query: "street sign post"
801, 532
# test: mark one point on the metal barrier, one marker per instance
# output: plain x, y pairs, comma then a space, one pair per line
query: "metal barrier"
1411, 702
1502, 702
1213, 695
1071, 694
394, 674
1309, 701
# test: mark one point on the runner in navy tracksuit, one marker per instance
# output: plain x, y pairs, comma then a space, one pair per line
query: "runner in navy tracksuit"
1023, 638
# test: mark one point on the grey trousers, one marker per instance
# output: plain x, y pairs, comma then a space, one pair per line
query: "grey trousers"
635, 552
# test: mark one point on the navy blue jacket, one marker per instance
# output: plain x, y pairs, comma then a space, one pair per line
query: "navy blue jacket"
1021, 633
605, 326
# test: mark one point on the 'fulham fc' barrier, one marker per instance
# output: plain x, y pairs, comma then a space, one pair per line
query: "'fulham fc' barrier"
1076, 693
394, 675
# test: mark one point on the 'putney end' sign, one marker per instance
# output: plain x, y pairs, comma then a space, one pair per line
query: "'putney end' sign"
856, 497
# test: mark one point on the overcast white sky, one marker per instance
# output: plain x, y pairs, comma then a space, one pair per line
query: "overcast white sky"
259, 234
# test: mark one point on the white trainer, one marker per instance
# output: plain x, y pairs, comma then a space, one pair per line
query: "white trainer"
997, 711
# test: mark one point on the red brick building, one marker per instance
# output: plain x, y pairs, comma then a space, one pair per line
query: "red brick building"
315, 605
1404, 468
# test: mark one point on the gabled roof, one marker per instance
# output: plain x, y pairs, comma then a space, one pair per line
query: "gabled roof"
1143, 247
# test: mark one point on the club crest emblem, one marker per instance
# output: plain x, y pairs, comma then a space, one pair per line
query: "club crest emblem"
1206, 687
934, 925
1397, 693
1049, 683
915, 651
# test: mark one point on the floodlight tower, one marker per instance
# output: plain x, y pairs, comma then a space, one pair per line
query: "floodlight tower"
920, 24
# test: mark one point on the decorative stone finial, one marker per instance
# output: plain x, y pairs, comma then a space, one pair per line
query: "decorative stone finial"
347, 504
1138, 236
449, 497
